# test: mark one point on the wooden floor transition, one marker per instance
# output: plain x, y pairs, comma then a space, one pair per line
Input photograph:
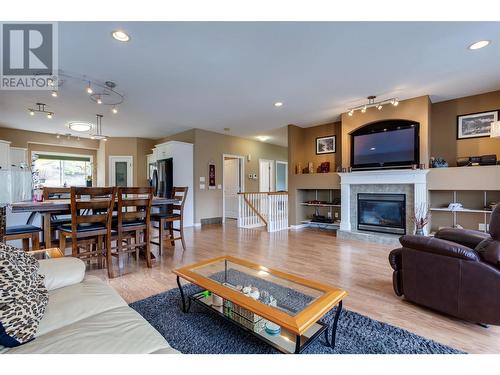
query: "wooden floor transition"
360, 268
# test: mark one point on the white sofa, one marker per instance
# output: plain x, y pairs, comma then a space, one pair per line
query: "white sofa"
85, 315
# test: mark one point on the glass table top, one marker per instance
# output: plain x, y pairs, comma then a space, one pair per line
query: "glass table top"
273, 288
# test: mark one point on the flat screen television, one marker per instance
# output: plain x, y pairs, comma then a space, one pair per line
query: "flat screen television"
385, 144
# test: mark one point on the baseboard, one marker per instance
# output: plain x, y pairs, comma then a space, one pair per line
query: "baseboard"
197, 225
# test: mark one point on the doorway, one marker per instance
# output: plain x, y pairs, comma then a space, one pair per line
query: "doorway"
281, 175
232, 183
266, 176
120, 170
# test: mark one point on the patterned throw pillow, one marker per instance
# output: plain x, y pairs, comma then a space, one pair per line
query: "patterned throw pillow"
23, 296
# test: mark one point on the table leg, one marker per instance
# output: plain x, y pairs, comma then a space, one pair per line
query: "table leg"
47, 232
182, 295
297, 344
334, 326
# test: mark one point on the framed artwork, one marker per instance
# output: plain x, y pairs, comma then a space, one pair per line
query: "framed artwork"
211, 175
325, 145
475, 125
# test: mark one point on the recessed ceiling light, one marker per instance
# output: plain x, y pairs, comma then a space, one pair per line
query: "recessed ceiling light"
79, 126
278, 104
480, 44
263, 138
120, 36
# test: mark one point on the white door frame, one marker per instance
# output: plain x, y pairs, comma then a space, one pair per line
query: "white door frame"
112, 160
272, 176
242, 180
276, 174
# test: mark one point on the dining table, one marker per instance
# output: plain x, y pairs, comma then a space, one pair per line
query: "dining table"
51, 207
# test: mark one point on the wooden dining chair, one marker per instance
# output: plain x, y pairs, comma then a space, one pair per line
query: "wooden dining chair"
57, 218
90, 227
25, 233
167, 218
133, 221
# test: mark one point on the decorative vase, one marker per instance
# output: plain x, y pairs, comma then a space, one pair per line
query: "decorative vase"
419, 231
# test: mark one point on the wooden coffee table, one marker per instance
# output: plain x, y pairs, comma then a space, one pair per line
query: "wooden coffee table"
52, 252
253, 297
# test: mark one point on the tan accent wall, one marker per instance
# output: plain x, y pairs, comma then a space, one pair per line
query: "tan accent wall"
444, 128
302, 149
210, 146
416, 109
464, 178
187, 136
138, 148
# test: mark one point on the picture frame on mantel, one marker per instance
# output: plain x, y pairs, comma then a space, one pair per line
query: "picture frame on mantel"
475, 125
326, 145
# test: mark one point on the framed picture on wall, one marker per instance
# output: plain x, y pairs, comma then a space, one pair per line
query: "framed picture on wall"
325, 145
475, 125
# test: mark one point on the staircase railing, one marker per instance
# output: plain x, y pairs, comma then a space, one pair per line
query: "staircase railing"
263, 209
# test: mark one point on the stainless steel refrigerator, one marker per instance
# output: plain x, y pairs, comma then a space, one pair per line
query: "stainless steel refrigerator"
162, 179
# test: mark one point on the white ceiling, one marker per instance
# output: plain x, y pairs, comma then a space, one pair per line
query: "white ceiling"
176, 76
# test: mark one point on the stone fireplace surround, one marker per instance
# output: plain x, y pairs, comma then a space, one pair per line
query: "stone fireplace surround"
413, 183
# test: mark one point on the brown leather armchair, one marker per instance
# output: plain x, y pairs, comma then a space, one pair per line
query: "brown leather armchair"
457, 272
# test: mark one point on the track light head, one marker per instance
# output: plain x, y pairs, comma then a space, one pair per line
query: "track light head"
395, 102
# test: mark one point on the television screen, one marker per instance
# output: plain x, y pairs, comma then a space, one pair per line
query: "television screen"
395, 146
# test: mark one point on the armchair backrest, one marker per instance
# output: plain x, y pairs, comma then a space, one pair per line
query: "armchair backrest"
495, 223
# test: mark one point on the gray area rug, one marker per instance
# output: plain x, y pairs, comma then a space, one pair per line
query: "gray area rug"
203, 332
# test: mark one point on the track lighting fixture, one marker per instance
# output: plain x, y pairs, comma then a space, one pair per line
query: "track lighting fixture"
41, 108
54, 93
89, 89
372, 103
114, 110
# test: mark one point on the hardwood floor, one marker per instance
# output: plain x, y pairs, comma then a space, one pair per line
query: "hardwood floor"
358, 267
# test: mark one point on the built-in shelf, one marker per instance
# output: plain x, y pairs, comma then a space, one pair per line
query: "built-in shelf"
460, 210
310, 223
319, 204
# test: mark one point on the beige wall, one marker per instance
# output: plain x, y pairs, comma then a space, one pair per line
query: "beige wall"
444, 128
21, 138
210, 147
138, 148
416, 109
187, 136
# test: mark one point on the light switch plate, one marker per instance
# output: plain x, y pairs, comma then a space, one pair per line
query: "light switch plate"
202, 186
202, 178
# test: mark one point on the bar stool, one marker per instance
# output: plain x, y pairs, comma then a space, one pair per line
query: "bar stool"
25, 233
132, 220
166, 219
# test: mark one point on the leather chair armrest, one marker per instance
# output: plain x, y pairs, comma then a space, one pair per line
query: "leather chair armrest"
439, 247
489, 251
466, 237
395, 259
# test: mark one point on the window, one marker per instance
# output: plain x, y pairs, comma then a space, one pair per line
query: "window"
58, 170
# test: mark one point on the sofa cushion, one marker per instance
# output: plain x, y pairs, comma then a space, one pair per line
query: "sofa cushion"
61, 272
119, 331
23, 296
78, 301
489, 251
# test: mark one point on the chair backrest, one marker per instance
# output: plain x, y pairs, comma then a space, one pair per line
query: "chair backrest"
56, 193
179, 193
134, 204
95, 202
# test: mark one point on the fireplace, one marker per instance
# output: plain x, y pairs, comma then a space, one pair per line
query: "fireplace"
383, 213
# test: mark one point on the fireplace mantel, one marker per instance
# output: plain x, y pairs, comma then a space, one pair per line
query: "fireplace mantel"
415, 177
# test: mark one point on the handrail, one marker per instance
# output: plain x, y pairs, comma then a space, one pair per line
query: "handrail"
254, 209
